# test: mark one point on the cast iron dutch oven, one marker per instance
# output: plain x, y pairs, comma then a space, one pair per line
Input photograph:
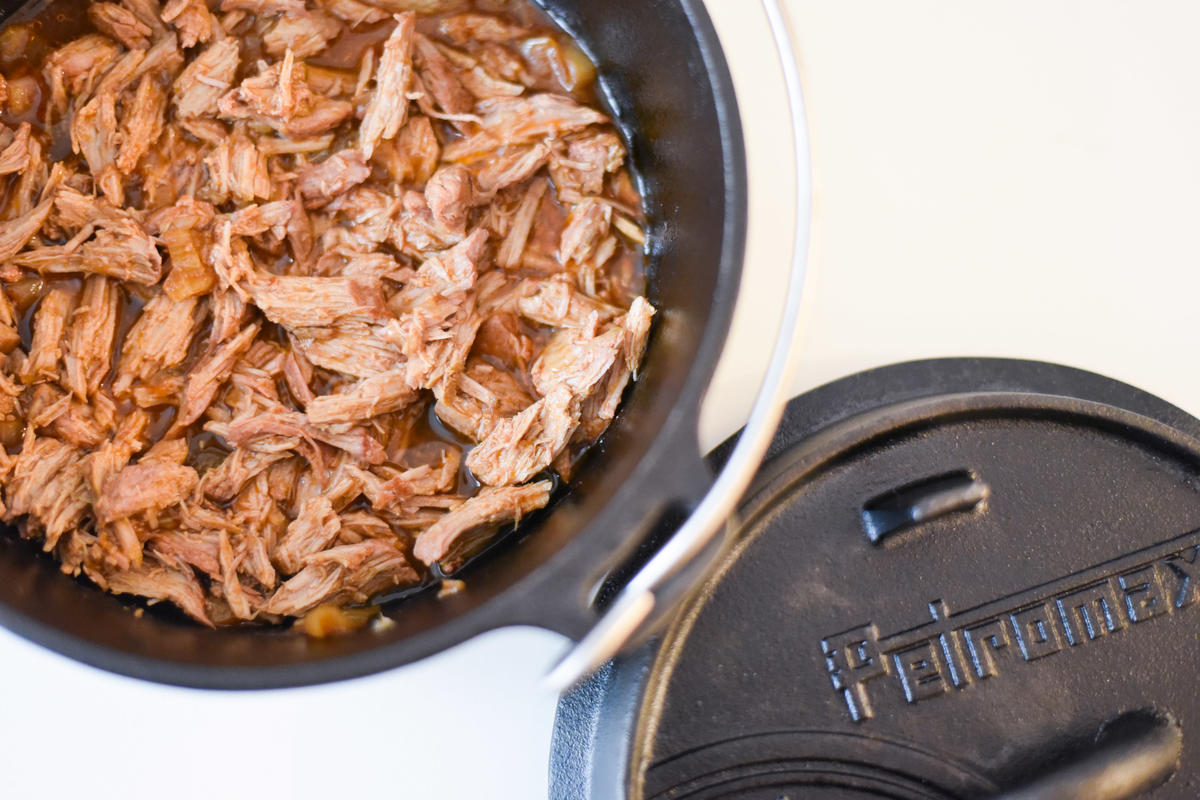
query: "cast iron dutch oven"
666, 81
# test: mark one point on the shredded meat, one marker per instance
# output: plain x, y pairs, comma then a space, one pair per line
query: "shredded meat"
449, 537
88, 353
207, 376
305, 33
523, 445
303, 301
15, 156
47, 487
440, 78
357, 571
314, 528
332, 177
158, 340
16, 233
379, 394
120, 23
144, 487
191, 19
205, 79
353, 11
143, 123
449, 196
518, 120
388, 107
157, 583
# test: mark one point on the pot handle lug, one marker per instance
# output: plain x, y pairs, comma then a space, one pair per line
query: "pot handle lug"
590, 590
693, 549
1131, 755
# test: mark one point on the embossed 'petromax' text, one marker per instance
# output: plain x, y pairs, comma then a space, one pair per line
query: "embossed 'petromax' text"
955, 650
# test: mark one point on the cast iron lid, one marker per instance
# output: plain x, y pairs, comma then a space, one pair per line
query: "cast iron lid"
952, 578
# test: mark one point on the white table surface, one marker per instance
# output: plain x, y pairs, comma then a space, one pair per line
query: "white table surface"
1016, 179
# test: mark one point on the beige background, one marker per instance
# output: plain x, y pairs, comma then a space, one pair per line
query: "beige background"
1018, 178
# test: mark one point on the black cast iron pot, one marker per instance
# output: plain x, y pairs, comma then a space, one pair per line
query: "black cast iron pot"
663, 74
